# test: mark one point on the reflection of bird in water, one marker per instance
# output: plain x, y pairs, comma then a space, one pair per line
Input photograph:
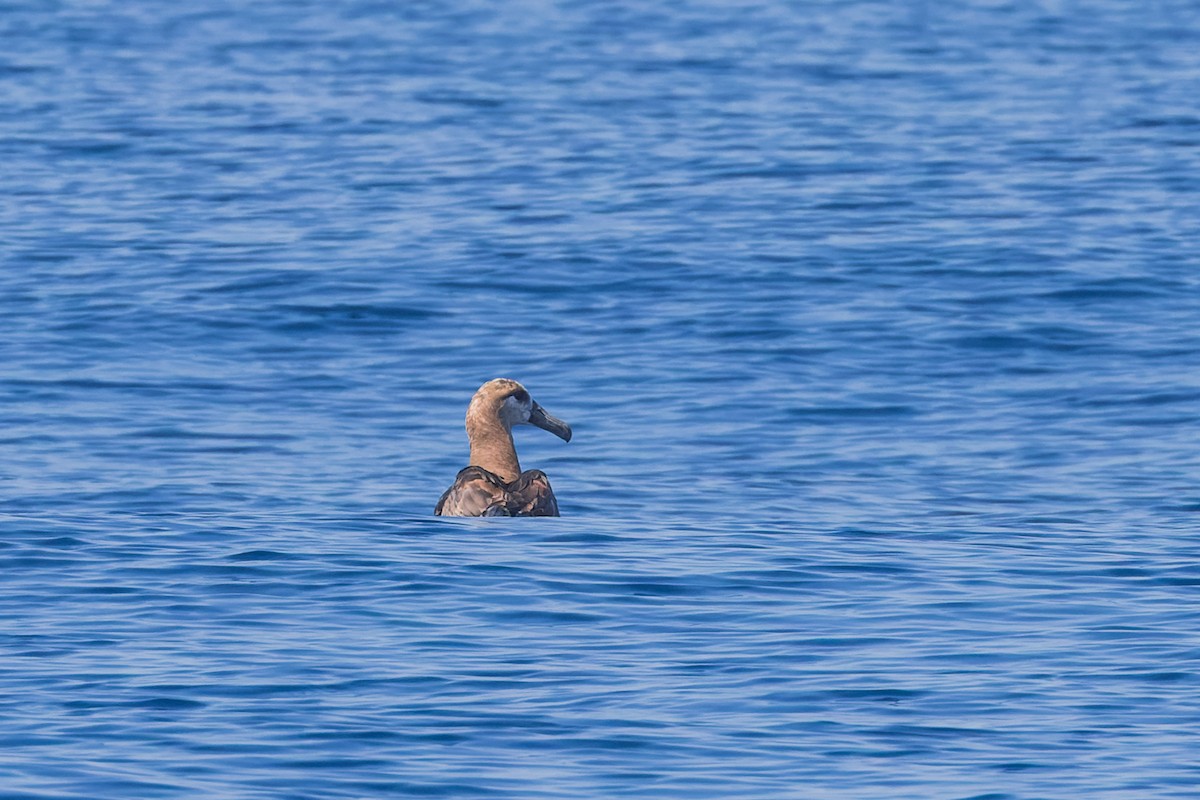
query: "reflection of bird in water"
494, 485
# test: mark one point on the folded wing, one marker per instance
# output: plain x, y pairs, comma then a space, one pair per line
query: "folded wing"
531, 496
474, 493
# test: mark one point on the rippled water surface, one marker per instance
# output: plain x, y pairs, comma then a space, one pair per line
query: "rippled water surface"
878, 326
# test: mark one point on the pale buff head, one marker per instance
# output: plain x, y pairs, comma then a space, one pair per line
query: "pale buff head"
504, 401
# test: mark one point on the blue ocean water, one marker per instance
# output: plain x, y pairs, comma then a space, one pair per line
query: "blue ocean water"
878, 325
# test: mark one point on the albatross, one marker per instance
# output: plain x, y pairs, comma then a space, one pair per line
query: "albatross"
493, 484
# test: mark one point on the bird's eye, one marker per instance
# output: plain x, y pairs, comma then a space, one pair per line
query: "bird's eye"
521, 396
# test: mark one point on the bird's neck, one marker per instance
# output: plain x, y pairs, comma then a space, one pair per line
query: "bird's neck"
492, 448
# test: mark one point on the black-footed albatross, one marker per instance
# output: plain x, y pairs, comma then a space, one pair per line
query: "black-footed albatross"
494, 485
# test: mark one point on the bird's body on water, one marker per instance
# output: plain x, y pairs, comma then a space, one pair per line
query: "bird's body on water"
493, 484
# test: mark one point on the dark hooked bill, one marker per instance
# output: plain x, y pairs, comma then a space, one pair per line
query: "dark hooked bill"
548, 422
